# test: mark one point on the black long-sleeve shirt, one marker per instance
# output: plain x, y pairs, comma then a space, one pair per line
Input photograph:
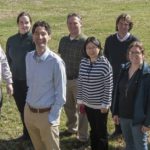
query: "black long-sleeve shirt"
127, 92
116, 52
17, 47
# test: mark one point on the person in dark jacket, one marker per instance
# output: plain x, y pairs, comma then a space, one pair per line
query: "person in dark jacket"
131, 108
115, 50
17, 47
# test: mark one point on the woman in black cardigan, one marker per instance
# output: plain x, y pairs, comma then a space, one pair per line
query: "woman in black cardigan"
131, 106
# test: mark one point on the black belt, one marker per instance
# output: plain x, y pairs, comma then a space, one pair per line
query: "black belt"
40, 110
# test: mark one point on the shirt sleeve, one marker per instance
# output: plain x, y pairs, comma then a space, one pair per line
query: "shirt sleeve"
60, 93
108, 86
79, 88
5, 70
106, 52
7, 52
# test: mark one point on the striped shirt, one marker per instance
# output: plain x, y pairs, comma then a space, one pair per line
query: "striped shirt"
95, 83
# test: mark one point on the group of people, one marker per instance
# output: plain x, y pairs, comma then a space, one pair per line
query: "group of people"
85, 79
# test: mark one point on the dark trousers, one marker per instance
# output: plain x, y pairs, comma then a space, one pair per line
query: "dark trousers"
117, 127
20, 92
98, 124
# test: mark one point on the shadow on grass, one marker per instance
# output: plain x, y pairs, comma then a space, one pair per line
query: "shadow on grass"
13, 144
70, 143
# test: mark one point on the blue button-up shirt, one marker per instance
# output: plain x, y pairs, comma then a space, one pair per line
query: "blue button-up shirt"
46, 80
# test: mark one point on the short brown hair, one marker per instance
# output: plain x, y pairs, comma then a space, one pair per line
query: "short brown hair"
41, 24
74, 15
125, 17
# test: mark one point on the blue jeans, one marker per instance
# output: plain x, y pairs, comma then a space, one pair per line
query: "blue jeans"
135, 139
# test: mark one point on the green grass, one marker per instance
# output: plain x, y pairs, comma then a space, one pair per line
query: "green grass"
98, 20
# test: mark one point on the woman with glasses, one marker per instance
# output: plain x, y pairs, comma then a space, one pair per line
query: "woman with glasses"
131, 107
94, 91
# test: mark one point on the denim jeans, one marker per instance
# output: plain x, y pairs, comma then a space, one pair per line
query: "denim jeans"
135, 139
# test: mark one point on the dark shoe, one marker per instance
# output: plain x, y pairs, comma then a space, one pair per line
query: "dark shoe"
66, 133
23, 138
114, 135
81, 144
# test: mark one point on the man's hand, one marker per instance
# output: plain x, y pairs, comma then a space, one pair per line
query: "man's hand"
10, 90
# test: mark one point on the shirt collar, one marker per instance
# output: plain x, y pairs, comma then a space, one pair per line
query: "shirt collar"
24, 35
43, 57
76, 38
124, 38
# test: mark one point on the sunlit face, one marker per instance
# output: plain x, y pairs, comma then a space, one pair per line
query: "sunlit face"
74, 26
136, 56
24, 24
41, 37
92, 50
123, 27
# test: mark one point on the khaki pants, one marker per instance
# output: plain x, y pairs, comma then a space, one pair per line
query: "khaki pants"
43, 135
76, 122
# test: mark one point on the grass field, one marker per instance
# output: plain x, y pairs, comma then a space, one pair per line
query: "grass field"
98, 20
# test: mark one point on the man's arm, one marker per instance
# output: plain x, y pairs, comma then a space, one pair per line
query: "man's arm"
60, 92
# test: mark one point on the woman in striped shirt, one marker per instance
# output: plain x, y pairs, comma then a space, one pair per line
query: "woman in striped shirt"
95, 85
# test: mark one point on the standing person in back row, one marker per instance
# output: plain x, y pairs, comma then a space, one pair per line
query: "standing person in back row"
17, 47
115, 50
71, 51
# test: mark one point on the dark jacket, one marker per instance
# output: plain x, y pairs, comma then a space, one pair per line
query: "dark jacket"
17, 47
141, 112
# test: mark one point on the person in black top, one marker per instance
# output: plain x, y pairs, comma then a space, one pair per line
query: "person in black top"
131, 107
17, 47
115, 50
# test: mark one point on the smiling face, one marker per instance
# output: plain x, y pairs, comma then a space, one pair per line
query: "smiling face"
92, 51
74, 26
24, 24
41, 38
136, 55
123, 27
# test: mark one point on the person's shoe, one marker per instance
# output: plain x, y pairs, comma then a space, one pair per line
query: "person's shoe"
23, 138
81, 144
66, 133
114, 135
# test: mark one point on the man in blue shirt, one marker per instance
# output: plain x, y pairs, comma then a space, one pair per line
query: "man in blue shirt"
46, 94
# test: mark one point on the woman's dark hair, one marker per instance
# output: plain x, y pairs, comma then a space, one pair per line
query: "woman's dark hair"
41, 24
24, 14
95, 41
